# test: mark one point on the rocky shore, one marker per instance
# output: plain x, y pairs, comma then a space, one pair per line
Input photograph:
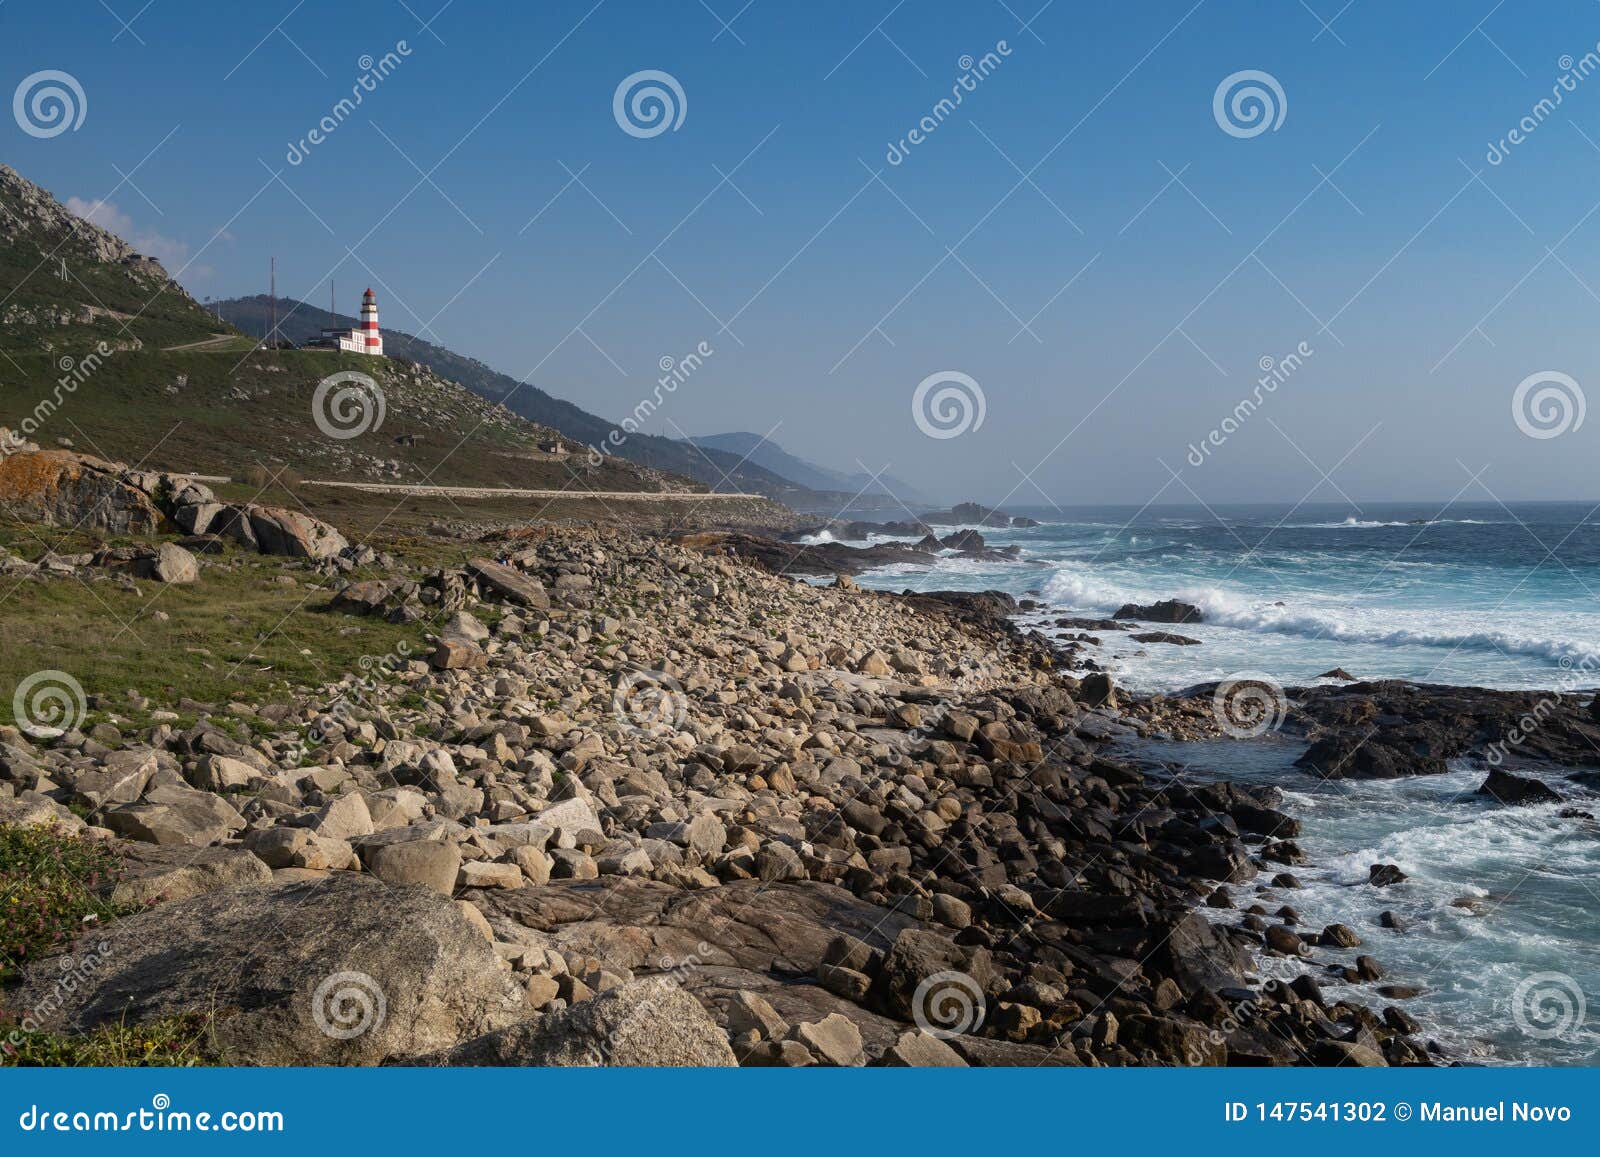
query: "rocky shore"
637, 803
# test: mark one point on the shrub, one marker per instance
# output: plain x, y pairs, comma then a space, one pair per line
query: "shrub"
49, 884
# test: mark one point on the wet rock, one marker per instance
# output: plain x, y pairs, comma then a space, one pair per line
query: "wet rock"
1385, 875
1165, 611
1505, 788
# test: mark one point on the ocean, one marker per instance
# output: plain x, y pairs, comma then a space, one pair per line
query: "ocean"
1503, 904
1478, 595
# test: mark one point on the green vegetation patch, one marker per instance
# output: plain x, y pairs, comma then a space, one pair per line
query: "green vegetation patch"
252, 629
50, 885
168, 1042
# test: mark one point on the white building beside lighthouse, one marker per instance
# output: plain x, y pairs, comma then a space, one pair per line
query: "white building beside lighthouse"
366, 338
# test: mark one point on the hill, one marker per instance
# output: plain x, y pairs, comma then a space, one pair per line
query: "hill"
117, 360
718, 469
66, 283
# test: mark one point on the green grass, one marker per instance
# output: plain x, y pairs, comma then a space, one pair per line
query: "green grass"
221, 412
234, 634
169, 1042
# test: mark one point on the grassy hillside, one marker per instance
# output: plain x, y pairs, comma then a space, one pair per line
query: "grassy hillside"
298, 321
66, 284
222, 412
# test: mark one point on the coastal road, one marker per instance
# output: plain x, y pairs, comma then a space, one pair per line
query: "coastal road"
410, 491
207, 345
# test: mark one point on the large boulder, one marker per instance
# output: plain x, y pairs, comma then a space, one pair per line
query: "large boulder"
173, 814
293, 533
1503, 787
919, 966
344, 971
1165, 611
61, 488
509, 583
651, 1022
169, 563
153, 874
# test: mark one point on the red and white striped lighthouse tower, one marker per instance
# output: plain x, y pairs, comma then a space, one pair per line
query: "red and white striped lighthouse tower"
369, 323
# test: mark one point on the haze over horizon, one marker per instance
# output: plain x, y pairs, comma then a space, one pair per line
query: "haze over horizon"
1106, 259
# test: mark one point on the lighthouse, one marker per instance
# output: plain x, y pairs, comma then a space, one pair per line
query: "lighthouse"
364, 339
369, 324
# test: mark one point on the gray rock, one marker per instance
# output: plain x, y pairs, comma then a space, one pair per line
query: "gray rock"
62, 488
121, 778
169, 564
431, 864
915, 957
777, 861
706, 835
645, 1022
175, 815
153, 874
344, 818
748, 1012
917, 1050
293, 533
341, 971
778, 1054
834, 1040
510, 584
284, 847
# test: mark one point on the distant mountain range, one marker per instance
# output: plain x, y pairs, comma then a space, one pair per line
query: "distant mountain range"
771, 456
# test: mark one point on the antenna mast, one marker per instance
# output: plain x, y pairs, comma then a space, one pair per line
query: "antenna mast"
273, 289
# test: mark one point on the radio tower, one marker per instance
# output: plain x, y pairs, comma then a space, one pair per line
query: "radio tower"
272, 290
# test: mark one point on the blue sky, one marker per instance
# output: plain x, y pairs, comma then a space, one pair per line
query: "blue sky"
1084, 188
